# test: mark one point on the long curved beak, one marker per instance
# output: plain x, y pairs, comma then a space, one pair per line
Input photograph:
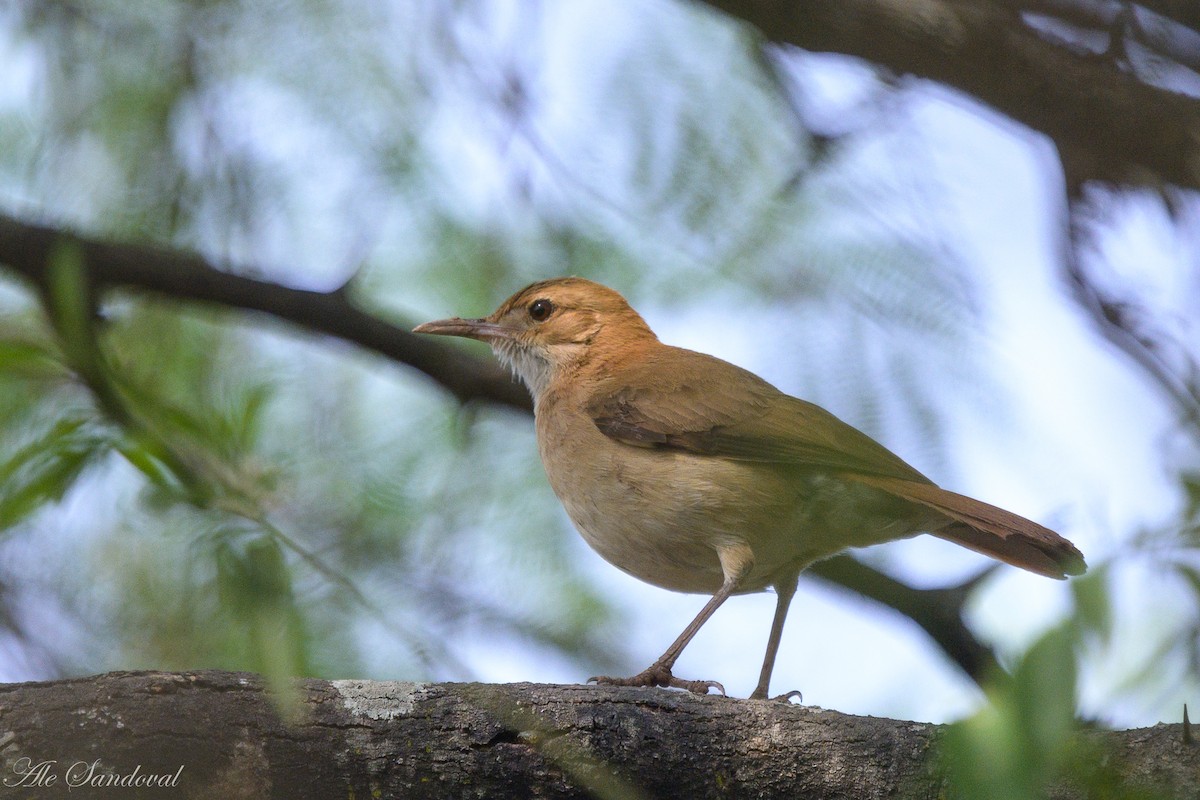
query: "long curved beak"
481, 329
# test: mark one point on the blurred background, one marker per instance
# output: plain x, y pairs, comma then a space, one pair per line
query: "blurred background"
184, 485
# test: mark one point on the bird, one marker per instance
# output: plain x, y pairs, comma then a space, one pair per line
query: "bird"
695, 475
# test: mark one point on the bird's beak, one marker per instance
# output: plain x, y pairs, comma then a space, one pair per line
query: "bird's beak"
482, 329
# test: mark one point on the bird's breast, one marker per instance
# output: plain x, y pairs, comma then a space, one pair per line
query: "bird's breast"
626, 503
662, 515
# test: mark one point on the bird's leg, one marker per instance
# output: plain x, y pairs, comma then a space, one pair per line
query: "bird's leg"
659, 673
785, 587
735, 562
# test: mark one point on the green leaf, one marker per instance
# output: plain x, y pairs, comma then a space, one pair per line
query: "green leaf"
44, 470
243, 420
71, 304
1023, 740
255, 587
1092, 606
1043, 690
143, 456
29, 360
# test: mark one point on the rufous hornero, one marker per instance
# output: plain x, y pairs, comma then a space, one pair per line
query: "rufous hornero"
695, 475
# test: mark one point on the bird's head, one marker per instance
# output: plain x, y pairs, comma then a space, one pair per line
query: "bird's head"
552, 326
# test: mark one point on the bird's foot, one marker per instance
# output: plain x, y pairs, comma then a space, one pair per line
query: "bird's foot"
658, 675
786, 697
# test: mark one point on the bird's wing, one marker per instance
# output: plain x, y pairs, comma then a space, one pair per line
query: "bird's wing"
686, 401
682, 400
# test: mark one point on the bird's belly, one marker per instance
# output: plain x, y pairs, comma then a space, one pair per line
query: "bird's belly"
662, 516
646, 529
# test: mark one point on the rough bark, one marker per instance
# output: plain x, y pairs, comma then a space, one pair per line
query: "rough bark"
419, 740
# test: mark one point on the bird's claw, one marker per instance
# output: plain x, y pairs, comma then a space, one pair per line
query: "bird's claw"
658, 675
786, 697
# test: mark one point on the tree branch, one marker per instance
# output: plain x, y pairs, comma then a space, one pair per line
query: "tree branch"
939, 612
27, 249
1107, 124
218, 734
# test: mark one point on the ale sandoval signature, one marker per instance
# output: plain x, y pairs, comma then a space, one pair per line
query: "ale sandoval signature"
29, 773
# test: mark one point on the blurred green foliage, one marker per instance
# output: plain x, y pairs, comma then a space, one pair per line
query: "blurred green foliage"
1022, 741
1028, 740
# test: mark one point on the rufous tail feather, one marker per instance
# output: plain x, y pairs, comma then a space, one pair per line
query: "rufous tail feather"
989, 530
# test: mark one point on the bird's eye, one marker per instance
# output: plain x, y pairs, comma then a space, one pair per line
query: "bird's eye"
540, 310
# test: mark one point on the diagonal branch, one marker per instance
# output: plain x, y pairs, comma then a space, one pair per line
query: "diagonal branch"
26, 248
939, 612
1107, 124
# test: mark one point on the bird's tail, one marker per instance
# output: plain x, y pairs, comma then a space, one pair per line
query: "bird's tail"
989, 530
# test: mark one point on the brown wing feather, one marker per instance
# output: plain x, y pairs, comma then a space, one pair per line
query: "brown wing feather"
989, 530
690, 401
